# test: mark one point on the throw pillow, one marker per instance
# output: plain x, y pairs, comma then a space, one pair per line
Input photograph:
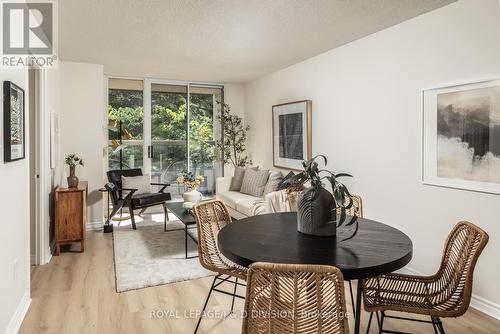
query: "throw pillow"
254, 182
273, 182
281, 185
237, 179
141, 183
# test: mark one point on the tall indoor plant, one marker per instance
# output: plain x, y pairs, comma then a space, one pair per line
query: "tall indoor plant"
233, 143
320, 212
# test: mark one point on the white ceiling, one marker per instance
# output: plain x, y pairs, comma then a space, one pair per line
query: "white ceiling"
218, 40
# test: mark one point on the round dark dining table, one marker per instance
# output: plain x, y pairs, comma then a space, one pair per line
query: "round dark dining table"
376, 248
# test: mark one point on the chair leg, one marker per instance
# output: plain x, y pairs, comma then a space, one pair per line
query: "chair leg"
205, 305
434, 325
165, 211
381, 327
234, 294
113, 212
132, 217
369, 323
439, 326
352, 299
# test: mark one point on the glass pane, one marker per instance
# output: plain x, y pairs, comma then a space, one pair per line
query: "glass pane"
168, 134
126, 124
204, 129
131, 156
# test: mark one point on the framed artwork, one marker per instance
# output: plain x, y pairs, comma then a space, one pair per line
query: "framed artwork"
13, 122
292, 141
461, 136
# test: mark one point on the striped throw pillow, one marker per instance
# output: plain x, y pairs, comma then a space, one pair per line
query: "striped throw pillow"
254, 182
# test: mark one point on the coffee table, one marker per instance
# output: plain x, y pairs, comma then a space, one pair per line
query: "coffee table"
186, 218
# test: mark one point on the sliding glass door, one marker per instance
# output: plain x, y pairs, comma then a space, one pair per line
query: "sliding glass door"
168, 144
125, 124
165, 128
204, 129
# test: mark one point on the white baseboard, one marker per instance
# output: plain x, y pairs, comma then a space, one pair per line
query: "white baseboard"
486, 306
479, 303
94, 226
48, 257
18, 317
45, 258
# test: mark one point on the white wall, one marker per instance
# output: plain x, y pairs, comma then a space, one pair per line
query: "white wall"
234, 95
14, 239
366, 101
82, 126
51, 106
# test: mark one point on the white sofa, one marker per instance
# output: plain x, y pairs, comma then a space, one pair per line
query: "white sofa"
239, 205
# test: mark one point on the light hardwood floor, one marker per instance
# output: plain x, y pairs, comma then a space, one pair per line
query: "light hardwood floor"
75, 293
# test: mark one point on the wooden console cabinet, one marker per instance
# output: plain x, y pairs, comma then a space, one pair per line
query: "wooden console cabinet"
71, 215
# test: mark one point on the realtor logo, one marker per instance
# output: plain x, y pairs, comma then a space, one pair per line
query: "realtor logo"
28, 34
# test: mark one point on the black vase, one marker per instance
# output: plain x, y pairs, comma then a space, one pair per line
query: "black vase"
72, 179
314, 213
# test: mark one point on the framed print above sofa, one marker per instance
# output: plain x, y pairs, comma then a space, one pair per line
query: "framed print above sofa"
461, 136
292, 142
13, 122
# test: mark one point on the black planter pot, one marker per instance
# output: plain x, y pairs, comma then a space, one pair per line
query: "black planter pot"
314, 213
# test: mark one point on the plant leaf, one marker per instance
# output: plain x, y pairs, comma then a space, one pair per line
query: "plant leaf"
322, 156
342, 217
353, 234
353, 220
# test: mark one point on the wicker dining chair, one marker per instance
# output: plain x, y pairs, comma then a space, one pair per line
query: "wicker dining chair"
445, 294
211, 217
294, 298
355, 209
357, 206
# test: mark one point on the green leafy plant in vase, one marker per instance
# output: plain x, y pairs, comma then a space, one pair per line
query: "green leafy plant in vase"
191, 182
320, 212
73, 160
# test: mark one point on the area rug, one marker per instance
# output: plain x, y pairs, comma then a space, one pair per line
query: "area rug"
149, 256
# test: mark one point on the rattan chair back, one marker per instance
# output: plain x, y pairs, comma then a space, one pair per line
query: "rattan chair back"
453, 285
211, 217
300, 299
356, 208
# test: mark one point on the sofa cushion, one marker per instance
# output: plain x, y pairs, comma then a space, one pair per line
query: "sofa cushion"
237, 180
142, 183
246, 207
231, 198
148, 199
254, 182
273, 182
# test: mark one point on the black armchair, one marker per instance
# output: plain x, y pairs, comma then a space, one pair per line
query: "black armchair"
131, 200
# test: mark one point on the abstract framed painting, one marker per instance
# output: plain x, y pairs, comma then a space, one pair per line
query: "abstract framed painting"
461, 136
13, 122
292, 132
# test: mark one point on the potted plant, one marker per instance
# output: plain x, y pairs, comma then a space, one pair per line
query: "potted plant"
73, 160
320, 212
232, 145
192, 183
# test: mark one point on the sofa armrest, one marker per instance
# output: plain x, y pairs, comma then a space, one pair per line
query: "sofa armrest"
222, 184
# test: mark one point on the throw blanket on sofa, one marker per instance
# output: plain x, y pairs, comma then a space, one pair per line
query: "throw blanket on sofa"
275, 201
